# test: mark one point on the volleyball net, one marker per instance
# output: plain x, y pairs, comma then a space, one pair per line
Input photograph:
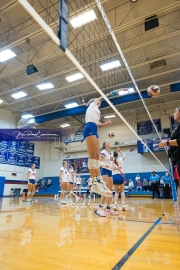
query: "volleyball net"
95, 54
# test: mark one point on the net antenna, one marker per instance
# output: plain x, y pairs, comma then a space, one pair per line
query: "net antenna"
67, 52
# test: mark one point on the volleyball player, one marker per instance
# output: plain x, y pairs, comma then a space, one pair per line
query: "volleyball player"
78, 184
174, 150
92, 141
31, 178
118, 178
72, 181
63, 177
106, 156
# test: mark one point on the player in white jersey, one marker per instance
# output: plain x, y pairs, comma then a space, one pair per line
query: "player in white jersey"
106, 156
118, 178
72, 181
78, 184
92, 142
31, 178
63, 177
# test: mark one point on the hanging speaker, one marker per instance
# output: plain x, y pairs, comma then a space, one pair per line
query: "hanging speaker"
31, 69
166, 131
151, 23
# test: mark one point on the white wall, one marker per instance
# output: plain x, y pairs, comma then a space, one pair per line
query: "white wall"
7, 119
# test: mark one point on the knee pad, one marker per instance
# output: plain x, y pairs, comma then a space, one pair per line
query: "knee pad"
97, 164
117, 194
32, 193
91, 163
62, 191
122, 193
29, 193
71, 192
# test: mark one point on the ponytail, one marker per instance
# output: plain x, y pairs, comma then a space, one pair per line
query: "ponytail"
115, 155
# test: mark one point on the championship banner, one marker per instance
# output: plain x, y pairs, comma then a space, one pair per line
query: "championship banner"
36, 161
11, 157
20, 161
81, 164
30, 148
3, 156
29, 160
146, 127
22, 146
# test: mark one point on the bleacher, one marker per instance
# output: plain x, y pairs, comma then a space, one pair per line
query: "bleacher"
54, 188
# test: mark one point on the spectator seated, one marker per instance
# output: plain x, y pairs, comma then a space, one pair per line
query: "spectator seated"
139, 185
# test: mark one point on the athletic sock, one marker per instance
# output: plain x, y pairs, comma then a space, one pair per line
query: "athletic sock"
99, 178
94, 179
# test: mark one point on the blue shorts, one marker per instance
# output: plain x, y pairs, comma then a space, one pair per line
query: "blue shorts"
32, 181
78, 185
105, 171
71, 183
90, 129
118, 179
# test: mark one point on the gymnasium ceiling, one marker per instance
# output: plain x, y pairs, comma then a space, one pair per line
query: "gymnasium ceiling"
20, 32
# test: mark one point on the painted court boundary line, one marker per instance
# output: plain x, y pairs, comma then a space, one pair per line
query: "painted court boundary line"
133, 249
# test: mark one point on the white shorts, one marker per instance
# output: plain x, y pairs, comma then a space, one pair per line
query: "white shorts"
64, 181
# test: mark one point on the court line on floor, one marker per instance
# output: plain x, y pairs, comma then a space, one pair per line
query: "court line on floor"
142, 221
126, 257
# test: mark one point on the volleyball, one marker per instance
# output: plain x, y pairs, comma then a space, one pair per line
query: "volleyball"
111, 134
153, 90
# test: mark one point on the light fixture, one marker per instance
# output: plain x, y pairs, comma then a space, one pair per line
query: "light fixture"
71, 105
6, 55
44, 86
110, 65
19, 95
26, 116
122, 92
133, 1
65, 125
131, 90
74, 77
125, 92
1, 101
83, 19
109, 116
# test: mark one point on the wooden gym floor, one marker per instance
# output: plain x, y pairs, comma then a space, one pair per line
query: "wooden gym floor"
49, 236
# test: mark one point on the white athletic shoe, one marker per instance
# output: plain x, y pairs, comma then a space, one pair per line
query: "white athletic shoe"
123, 207
32, 202
115, 207
77, 199
100, 188
62, 201
28, 203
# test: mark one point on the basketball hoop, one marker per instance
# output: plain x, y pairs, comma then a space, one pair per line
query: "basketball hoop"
72, 136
